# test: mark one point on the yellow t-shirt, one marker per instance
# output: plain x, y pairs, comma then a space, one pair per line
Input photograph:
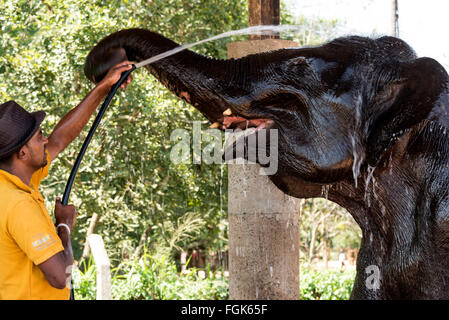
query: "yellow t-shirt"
27, 238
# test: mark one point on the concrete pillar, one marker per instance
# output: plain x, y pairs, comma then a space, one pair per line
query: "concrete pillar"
104, 291
263, 221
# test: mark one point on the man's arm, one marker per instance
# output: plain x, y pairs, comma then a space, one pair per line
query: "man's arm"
70, 126
57, 269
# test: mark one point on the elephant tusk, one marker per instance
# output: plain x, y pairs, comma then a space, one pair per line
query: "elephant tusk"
227, 112
215, 125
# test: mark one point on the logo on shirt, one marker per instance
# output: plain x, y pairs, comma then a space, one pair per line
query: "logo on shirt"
42, 241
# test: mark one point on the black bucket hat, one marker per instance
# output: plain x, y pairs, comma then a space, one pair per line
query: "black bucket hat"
17, 126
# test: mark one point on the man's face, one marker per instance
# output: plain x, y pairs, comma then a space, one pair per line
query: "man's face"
37, 147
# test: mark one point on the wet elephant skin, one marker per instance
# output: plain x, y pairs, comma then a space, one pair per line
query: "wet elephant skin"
364, 119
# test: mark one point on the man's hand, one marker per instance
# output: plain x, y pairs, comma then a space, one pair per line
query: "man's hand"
114, 75
65, 214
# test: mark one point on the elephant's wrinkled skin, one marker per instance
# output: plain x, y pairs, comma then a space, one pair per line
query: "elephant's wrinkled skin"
343, 109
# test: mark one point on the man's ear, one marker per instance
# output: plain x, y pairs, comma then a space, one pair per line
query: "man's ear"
403, 103
22, 153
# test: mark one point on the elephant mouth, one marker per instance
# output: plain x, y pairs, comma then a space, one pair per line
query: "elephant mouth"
240, 142
229, 121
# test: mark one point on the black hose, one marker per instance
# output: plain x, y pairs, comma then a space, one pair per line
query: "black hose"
68, 187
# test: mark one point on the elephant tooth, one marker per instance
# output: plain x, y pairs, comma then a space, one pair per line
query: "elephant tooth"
215, 125
227, 112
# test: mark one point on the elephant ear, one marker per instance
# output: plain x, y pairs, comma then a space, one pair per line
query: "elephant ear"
414, 96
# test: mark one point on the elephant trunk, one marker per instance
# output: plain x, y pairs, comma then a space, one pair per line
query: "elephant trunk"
201, 81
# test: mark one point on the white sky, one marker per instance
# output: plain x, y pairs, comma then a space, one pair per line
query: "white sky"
422, 23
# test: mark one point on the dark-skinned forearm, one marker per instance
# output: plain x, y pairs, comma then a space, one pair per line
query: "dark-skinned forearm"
70, 126
67, 254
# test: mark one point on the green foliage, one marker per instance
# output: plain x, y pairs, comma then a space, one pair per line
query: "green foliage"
326, 284
155, 278
149, 278
85, 282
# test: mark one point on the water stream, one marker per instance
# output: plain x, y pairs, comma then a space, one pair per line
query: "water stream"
254, 30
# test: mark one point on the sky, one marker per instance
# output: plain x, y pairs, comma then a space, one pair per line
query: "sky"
422, 23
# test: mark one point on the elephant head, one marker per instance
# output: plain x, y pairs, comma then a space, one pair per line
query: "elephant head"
364, 118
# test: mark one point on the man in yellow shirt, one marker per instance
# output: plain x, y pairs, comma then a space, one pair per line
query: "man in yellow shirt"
35, 256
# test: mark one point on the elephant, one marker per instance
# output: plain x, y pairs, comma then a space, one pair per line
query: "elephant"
364, 118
